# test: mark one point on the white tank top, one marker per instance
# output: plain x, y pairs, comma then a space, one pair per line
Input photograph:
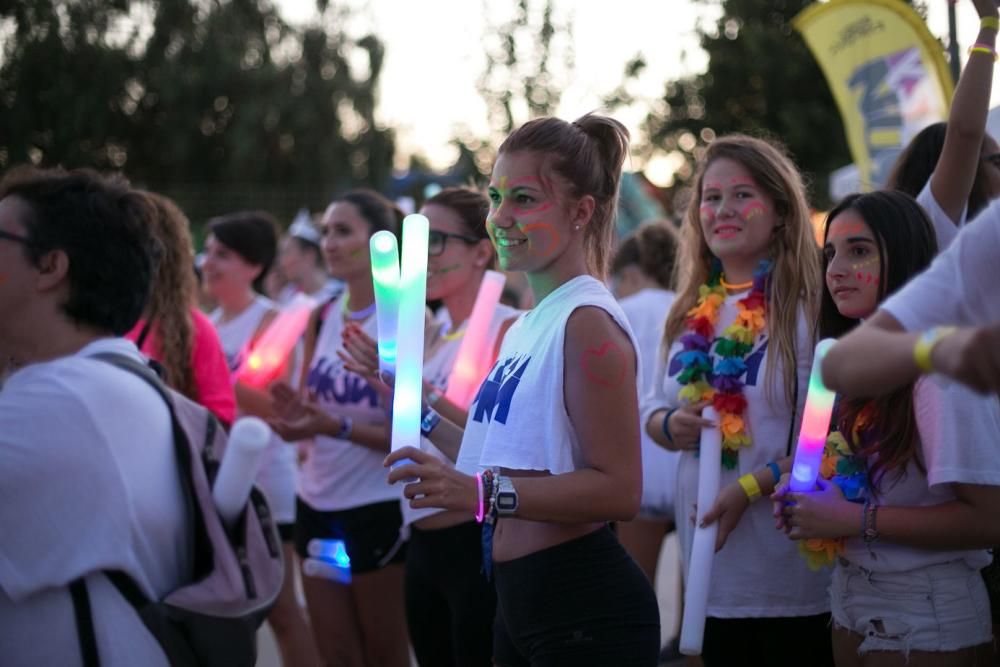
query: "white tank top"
276, 474
437, 369
339, 474
518, 419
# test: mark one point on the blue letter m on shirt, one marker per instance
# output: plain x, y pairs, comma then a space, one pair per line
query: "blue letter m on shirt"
497, 391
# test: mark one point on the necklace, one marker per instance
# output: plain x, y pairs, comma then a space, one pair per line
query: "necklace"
355, 316
737, 286
449, 335
720, 382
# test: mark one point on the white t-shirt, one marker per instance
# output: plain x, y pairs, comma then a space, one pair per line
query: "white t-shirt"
340, 474
958, 432
437, 368
944, 227
277, 468
518, 418
88, 482
959, 287
646, 311
759, 572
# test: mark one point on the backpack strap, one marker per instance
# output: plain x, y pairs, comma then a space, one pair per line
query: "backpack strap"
84, 623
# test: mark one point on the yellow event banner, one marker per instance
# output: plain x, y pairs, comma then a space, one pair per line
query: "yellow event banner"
886, 71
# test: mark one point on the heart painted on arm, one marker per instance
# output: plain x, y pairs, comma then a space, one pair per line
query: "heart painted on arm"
604, 365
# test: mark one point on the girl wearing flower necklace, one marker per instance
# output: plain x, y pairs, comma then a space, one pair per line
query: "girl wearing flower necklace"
914, 481
739, 337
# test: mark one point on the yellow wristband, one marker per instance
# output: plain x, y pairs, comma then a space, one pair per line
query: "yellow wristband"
925, 345
984, 50
990, 22
750, 486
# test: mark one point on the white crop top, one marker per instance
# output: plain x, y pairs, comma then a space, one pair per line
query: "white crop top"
518, 418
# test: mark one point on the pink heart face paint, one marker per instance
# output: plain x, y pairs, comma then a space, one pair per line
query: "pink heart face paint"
605, 365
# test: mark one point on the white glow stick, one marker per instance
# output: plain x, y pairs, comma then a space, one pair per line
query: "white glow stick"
247, 441
408, 393
703, 549
474, 358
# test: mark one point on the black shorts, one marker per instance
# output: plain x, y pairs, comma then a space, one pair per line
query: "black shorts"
372, 534
583, 602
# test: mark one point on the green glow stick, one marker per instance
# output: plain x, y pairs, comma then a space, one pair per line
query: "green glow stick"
385, 276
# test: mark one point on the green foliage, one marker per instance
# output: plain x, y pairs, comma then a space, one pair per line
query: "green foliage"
222, 105
761, 80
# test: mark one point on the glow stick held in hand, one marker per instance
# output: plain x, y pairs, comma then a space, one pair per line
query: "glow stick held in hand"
703, 549
247, 441
472, 363
408, 394
269, 354
385, 277
815, 425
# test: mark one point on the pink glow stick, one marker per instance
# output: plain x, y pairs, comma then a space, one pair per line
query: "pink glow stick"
815, 425
474, 356
269, 354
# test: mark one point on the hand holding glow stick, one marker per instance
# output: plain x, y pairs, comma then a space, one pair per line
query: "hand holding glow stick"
247, 441
264, 362
703, 549
472, 363
815, 425
408, 395
385, 277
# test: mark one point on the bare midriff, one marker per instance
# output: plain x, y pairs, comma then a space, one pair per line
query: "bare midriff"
514, 538
443, 520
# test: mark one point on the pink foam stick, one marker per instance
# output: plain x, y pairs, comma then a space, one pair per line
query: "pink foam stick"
264, 361
474, 356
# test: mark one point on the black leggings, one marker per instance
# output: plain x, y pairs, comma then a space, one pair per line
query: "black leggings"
580, 603
449, 604
768, 642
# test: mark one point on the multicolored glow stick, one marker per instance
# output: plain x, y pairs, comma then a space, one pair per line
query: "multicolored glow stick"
703, 549
815, 425
473, 360
385, 277
408, 394
269, 354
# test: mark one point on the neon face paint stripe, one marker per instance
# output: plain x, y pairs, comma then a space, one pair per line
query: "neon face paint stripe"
752, 210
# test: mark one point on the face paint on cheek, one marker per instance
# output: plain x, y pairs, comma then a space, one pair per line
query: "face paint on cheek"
447, 269
604, 365
752, 210
707, 214
550, 234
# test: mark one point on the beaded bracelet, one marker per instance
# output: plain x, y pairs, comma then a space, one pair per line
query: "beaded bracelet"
979, 47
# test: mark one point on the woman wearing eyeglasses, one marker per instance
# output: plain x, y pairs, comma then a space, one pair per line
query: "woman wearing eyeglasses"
450, 606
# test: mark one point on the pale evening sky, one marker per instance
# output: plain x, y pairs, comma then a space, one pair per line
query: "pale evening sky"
434, 56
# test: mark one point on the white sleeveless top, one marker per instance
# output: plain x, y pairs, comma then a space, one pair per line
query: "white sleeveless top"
437, 369
518, 419
339, 474
276, 474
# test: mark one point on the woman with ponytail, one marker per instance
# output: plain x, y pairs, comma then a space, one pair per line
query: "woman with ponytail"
550, 451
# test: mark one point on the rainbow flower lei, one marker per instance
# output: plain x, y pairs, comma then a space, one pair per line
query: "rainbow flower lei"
847, 470
722, 383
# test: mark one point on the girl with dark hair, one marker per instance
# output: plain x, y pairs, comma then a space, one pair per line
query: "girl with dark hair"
191, 356
907, 500
953, 169
550, 451
740, 336
239, 251
342, 494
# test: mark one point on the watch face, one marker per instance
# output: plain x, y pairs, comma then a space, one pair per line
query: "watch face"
506, 501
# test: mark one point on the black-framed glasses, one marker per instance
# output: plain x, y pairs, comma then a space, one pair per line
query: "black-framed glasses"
436, 241
16, 238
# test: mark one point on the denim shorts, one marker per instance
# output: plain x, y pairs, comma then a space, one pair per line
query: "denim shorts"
941, 607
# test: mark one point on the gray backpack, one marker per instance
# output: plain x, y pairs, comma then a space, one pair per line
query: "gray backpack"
213, 619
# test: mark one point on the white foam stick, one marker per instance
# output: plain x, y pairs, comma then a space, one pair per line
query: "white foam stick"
323, 569
703, 550
247, 442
